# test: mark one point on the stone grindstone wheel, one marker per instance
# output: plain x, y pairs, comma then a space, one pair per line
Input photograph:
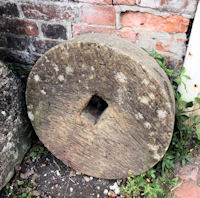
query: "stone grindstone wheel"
101, 105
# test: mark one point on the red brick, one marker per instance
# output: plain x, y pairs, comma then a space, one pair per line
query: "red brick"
103, 2
127, 34
124, 2
99, 15
187, 190
17, 26
48, 12
147, 21
189, 172
162, 47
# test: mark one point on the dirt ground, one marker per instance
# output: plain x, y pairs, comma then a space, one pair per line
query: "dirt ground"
43, 175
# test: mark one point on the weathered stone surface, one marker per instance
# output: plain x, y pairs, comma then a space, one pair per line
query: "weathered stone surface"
101, 105
15, 131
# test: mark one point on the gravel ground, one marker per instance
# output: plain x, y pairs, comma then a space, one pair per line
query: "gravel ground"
43, 175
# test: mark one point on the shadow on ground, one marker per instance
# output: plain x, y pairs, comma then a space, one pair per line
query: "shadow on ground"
43, 175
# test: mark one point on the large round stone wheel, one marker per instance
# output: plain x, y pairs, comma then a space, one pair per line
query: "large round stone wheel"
101, 105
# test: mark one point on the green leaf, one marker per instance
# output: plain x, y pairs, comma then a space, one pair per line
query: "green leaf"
33, 154
198, 133
20, 182
197, 100
187, 77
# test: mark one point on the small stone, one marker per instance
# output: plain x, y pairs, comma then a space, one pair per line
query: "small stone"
72, 173
98, 187
78, 173
87, 179
119, 181
98, 195
71, 189
115, 188
91, 178
112, 194
56, 185
3, 113
57, 173
105, 192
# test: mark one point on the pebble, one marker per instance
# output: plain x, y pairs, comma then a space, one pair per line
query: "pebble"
115, 188
91, 178
72, 173
105, 192
98, 195
87, 179
98, 187
57, 173
112, 194
3, 113
78, 173
71, 189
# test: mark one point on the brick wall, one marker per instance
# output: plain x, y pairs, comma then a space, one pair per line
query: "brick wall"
28, 28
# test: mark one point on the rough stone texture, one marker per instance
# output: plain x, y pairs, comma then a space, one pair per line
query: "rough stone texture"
130, 135
15, 131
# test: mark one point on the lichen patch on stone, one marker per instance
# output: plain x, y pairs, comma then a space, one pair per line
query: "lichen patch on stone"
56, 68
121, 77
37, 78
144, 100
147, 125
161, 113
152, 96
145, 82
69, 70
139, 116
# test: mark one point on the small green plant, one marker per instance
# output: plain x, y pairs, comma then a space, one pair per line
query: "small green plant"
159, 181
22, 190
39, 152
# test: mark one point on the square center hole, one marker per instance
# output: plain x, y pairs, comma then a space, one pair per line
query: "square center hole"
94, 109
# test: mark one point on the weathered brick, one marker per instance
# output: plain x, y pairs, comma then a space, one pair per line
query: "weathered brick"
177, 48
103, 2
124, 2
48, 12
16, 43
41, 46
99, 15
8, 9
147, 21
21, 57
179, 6
162, 42
127, 34
17, 26
54, 31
